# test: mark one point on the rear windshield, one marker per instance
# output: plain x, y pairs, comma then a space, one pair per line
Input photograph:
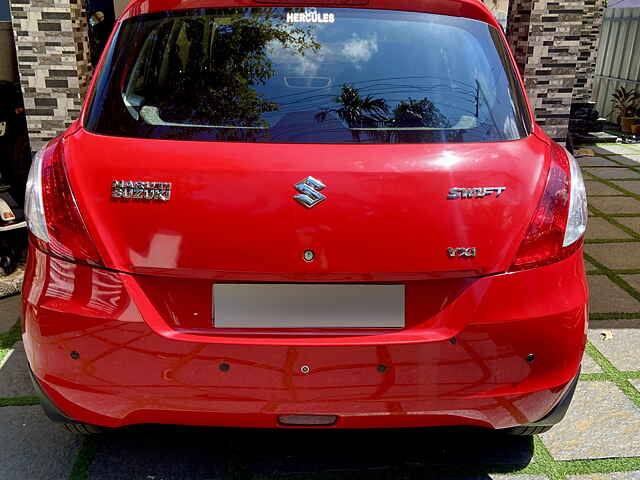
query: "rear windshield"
307, 75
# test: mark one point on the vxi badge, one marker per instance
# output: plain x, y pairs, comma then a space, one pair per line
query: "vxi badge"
141, 190
474, 192
461, 251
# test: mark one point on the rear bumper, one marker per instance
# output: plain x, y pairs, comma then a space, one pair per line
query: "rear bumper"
128, 370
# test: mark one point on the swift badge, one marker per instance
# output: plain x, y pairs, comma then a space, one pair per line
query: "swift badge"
474, 192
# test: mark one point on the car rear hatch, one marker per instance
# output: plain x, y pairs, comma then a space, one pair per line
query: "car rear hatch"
305, 145
232, 212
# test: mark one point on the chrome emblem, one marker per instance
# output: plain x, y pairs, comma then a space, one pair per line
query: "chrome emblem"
474, 192
141, 190
461, 251
309, 189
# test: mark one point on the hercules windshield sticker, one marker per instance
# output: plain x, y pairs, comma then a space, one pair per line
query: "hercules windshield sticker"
310, 15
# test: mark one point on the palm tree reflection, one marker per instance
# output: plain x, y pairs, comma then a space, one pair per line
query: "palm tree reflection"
418, 113
374, 116
355, 111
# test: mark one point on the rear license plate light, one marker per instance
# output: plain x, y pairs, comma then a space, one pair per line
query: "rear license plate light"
307, 420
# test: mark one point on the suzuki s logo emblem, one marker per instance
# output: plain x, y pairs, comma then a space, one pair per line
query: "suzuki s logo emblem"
309, 189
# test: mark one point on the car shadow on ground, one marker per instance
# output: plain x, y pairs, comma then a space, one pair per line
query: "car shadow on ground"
167, 452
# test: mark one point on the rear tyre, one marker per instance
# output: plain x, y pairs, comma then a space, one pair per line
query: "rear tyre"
525, 431
82, 428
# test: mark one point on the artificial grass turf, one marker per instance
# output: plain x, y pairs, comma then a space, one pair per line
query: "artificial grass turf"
610, 240
84, 458
11, 336
610, 183
18, 401
612, 220
614, 277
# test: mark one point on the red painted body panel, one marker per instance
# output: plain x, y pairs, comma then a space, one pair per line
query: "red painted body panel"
232, 215
133, 370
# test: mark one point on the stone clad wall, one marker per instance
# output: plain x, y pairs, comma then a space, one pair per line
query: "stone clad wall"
589, 38
53, 61
560, 40
550, 71
81, 41
518, 30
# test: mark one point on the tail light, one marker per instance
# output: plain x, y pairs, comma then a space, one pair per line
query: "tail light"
560, 219
51, 210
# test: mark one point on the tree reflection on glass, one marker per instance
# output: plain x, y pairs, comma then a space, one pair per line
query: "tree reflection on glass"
216, 65
419, 113
373, 115
355, 111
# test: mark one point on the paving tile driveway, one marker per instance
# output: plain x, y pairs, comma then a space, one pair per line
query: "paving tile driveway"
599, 438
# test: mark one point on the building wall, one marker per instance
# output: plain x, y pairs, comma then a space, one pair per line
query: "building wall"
500, 10
53, 61
518, 30
554, 43
8, 69
618, 63
550, 70
589, 38
119, 5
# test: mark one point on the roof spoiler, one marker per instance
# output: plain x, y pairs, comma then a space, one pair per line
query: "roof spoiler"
316, 2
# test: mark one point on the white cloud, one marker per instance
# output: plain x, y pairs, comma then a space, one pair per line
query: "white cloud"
359, 50
309, 64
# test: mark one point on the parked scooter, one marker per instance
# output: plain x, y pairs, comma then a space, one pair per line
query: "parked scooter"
15, 160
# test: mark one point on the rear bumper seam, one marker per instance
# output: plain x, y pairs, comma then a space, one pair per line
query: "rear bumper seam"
558, 412
50, 409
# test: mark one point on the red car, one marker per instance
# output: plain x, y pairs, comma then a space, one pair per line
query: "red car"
285, 215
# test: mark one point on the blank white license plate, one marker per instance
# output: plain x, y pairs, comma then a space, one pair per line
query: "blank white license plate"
308, 306
3, 128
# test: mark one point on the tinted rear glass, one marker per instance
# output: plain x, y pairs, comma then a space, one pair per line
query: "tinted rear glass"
306, 75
